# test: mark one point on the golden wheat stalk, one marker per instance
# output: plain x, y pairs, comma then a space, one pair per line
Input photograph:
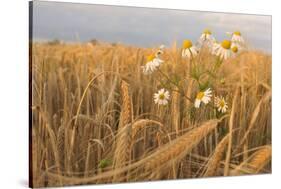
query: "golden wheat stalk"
175, 112
144, 123
255, 163
61, 146
256, 112
73, 133
162, 158
214, 162
231, 123
260, 159
178, 148
123, 139
86, 145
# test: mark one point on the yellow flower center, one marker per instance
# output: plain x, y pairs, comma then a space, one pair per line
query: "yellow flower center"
222, 103
161, 96
200, 95
237, 33
234, 49
150, 57
187, 44
226, 44
207, 31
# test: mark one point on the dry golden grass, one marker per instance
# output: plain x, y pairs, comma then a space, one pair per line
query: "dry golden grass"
94, 119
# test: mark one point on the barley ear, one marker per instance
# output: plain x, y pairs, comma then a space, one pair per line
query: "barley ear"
123, 138
214, 162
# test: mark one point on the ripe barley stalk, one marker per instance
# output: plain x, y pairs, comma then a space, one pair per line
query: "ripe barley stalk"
123, 138
255, 163
214, 161
175, 114
231, 125
179, 148
158, 163
61, 146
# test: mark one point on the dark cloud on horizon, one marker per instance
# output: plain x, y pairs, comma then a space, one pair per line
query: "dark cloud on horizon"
142, 26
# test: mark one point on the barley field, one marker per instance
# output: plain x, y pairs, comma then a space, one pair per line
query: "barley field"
99, 114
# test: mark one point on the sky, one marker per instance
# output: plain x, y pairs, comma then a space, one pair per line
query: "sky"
143, 27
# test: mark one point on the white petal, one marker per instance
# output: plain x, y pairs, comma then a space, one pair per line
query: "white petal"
208, 91
164, 102
156, 101
187, 52
183, 53
219, 51
206, 99
193, 51
154, 62
227, 54
167, 95
197, 103
159, 60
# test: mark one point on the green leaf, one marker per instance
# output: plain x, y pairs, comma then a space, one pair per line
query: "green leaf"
203, 86
104, 163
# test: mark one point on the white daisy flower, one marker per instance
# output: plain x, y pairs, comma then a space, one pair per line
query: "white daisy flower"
221, 104
237, 38
153, 62
236, 48
162, 97
188, 50
206, 37
203, 96
223, 50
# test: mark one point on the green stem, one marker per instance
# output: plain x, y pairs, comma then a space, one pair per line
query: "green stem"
180, 90
167, 77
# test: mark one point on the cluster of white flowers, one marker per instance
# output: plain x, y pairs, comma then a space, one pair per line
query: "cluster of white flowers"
225, 49
163, 96
153, 61
228, 48
205, 97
